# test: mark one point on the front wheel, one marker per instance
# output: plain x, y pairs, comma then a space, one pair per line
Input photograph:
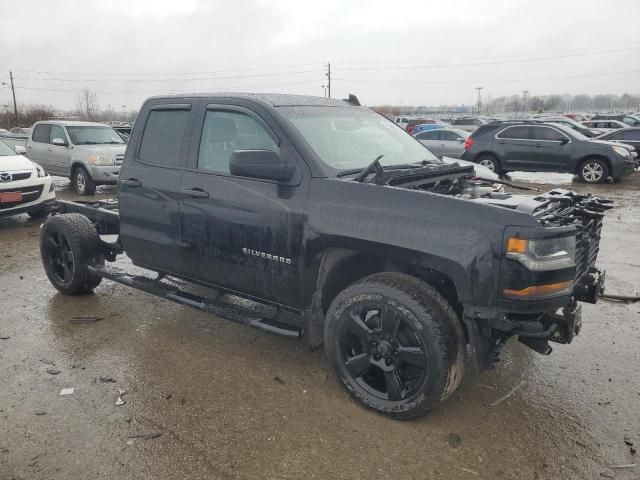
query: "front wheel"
490, 162
81, 181
395, 344
69, 243
593, 170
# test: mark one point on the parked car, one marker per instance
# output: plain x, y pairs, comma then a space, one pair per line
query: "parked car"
540, 147
24, 185
444, 141
630, 120
402, 121
468, 123
14, 139
423, 127
577, 117
3, 131
568, 122
605, 125
88, 153
418, 121
628, 136
361, 238
21, 131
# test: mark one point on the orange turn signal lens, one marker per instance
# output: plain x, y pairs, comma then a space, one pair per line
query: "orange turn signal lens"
539, 290
517, 245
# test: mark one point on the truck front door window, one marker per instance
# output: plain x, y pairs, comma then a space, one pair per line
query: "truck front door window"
225, 132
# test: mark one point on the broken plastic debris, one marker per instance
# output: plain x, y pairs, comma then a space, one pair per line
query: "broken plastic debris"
39, 412
107, 380
67, 391
120, 401
52, 371
81, 320
121, 392
145, 436
4, 338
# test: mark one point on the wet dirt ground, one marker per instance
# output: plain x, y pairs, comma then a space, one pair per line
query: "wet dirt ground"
231, 402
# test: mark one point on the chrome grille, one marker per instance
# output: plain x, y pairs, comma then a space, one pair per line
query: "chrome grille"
18, 175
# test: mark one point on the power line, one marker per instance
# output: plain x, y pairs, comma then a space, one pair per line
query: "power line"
177, 79
119, 74
467, 82
477, 62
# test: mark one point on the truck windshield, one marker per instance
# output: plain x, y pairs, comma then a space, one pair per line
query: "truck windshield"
94, 135
347, 138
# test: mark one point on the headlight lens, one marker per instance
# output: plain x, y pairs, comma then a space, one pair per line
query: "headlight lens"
98, 159
621, 151
543, 253
40, 170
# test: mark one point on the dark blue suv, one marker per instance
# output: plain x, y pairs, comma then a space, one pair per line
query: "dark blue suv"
548, 147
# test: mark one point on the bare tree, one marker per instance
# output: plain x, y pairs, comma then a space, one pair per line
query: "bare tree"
87, 104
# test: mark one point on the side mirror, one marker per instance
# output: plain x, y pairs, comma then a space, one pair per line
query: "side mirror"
265, 164
60, 142
20, 150
564, 141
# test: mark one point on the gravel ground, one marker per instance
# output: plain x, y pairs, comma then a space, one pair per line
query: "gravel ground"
220, 400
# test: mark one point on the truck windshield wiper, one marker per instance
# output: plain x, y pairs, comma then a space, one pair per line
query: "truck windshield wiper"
371, 168
374, 167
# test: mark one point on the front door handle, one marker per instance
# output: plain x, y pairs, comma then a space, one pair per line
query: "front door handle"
196, 193
537, 145
131, 182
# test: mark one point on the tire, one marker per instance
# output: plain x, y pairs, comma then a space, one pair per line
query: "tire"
489, 161
593, 170
39, 213
69, 243
395, 344
81, 181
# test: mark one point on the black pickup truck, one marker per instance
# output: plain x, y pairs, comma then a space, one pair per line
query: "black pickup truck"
355, 234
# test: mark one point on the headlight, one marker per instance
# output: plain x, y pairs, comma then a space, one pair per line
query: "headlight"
97, 159
621, 151
543, 253
40, 170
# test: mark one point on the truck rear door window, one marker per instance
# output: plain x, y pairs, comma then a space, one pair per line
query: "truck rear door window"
162, 138
41, 133
227, 131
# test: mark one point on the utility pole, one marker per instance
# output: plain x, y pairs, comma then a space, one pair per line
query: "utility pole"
329, 80
479, 89
13, 92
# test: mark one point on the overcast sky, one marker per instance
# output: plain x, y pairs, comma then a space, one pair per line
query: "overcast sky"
387, 52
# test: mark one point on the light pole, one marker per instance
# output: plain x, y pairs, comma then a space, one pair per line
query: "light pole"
13, 91
479, 89
124, 113
524, 101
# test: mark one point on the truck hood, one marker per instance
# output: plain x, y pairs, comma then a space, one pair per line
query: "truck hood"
15, 162
102, 148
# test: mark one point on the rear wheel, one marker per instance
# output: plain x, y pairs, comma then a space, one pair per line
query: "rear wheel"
68, 245
490, 162
593, 170
395, 344
81, 181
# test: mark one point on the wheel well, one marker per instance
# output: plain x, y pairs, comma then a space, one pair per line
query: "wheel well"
354, 267
75, 166
486, 154
591, 157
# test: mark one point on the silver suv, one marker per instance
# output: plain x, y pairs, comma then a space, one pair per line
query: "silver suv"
88, 153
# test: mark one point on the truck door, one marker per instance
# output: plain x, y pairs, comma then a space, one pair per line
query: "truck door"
148, 186
38, 144
59, 156
243, 234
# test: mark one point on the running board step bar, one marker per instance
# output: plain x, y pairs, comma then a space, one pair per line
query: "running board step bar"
226, 310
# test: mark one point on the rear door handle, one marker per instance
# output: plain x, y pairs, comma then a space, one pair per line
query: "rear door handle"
196, 193
131, 182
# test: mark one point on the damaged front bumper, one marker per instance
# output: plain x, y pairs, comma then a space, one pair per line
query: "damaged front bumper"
489, 329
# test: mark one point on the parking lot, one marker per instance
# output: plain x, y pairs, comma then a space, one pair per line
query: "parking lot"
206, 398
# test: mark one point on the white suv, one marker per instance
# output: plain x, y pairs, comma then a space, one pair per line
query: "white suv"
24, 185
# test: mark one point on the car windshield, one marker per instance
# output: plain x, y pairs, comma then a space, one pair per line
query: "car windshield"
6, 150
347, 138
570, 131
94, 135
